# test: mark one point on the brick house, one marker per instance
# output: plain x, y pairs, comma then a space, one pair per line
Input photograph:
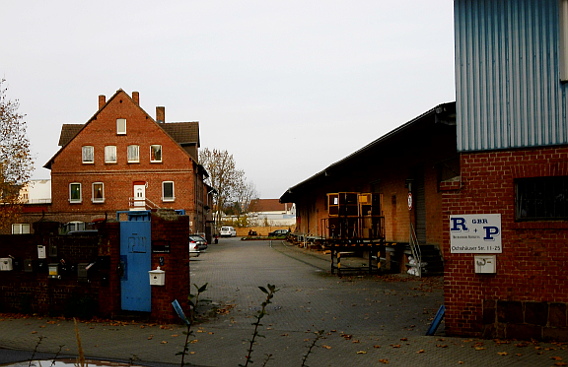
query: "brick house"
412, 160
123, 159
512, 135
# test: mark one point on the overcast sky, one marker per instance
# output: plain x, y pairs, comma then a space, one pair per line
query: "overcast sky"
287, 87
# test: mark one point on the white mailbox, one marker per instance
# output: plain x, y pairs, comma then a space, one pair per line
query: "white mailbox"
157, 276
41, 253
485, 264
6, 264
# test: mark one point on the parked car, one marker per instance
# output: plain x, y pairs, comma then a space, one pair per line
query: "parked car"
227, 231
279, 233
201, 243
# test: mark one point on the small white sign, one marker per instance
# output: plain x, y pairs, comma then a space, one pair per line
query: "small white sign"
475, 233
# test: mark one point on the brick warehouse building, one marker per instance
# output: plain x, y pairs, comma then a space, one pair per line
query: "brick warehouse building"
512, 135
413, 159
123, 159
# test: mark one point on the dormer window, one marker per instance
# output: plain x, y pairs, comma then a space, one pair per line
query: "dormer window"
121, 126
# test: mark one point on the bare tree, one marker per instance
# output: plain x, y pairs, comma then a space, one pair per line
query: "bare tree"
16, 163
229, 182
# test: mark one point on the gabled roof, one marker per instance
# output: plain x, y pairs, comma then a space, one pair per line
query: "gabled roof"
183, 133
266, 205
68, 132
442, 114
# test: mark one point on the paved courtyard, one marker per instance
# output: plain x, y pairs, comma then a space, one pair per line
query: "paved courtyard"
362, 320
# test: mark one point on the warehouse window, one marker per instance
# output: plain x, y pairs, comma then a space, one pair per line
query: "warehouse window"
542, 198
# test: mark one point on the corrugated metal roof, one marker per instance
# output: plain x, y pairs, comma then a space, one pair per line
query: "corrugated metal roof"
508, 89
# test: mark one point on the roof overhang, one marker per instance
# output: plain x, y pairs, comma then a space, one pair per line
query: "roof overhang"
444, 113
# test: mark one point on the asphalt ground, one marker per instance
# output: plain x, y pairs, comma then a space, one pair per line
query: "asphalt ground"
315, 319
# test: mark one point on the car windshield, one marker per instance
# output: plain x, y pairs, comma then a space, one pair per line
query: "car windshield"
195, 238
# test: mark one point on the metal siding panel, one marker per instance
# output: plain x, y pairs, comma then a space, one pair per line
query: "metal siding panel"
508, 91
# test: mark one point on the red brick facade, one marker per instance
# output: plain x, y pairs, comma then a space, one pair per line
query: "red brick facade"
526, 298
107, 183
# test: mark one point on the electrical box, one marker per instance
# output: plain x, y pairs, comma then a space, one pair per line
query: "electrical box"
83, 271
157, 277
53, 271
6, 264
28, 265
485, 264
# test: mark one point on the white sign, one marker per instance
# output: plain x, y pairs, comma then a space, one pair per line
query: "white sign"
475, 233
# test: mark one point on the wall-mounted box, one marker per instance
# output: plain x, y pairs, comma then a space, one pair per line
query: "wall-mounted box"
53, 271
157, 277
83, 271
28, 265
6, 264
41, 252
485, 264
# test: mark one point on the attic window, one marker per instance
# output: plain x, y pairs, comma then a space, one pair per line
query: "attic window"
155, 153
88, 154
121, 126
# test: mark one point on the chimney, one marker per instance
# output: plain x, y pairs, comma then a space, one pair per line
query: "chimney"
102, 101
160, 114
136, 98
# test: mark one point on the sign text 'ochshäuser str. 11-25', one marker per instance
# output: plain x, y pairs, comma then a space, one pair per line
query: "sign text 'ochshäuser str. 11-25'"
475, 233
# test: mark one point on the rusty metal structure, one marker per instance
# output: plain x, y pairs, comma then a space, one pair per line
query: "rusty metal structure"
354, 226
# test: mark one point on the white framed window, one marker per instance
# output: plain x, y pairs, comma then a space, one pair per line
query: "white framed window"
110, 154
88, 154
75, 226
98, 192
168, 191
155, 153
133, 154
75, 192
20, 228
121, 126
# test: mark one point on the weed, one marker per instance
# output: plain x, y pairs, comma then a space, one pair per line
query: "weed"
193, 300
269, 291
40, 339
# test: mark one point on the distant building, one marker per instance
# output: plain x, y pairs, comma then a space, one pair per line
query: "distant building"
37, 191
271, 212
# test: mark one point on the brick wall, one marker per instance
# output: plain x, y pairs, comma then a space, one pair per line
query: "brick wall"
173, 230
34, 292
523, 299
